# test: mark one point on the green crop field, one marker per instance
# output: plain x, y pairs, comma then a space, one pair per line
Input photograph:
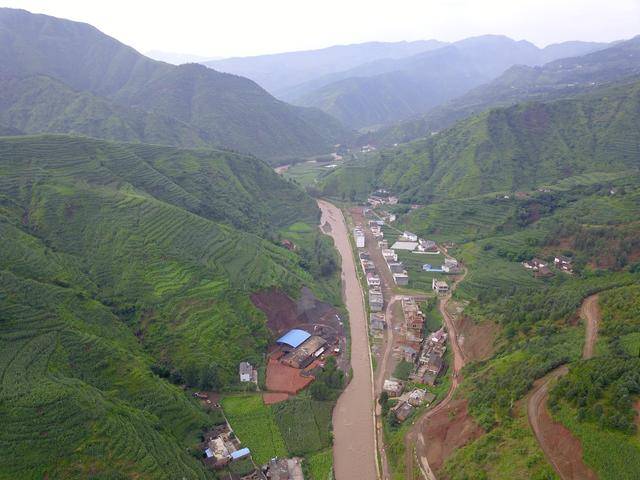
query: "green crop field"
255, 425
305, 424
320, 465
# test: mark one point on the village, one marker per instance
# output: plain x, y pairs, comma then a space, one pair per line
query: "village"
412, 343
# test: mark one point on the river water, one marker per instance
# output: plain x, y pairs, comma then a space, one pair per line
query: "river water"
354, 447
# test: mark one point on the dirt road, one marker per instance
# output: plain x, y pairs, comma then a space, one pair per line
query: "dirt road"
354, 445
415, 436
562, 449
590, 312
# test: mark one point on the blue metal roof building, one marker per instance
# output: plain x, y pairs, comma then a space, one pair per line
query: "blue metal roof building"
243, 452
294, 338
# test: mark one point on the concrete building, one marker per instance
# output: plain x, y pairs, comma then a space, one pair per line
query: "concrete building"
247, 372
427, 246
409, 237
439, 286
376, 300
358, 235
404, 245
401, 279
377, 322
392, 387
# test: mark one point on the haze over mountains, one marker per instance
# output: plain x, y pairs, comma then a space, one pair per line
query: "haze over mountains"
202, 106
134, 243
280, 72
369, 85
565, 77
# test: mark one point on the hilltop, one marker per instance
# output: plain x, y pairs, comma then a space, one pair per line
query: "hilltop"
390, 90
141, 99
506, 149
563, 78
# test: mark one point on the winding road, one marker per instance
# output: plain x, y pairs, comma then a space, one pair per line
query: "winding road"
415, 436
354, 445
562, 449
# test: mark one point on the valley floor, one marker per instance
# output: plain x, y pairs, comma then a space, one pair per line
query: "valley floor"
354, 446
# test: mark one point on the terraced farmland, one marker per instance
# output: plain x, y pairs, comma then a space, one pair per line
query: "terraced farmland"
121, 268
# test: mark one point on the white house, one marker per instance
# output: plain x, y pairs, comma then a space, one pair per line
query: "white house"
358, 234
246, 372
410, 237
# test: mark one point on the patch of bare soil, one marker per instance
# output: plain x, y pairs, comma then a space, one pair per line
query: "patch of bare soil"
447, 430
561, 448
477, 339
283, 313
285, 379
269, 398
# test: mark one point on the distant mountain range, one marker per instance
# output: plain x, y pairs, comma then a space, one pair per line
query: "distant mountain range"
375, 84
387, 91
112, 91
175, 58
562, 78
278, 73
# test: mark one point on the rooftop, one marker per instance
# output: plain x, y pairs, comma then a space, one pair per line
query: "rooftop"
294, 338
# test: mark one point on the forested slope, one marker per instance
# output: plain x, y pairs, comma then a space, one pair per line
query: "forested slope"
117, 93
122, 264
507, 149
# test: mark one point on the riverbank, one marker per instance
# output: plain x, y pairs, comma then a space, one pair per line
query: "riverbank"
354, 446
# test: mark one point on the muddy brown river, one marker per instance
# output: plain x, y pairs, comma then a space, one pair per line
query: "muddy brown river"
354, 448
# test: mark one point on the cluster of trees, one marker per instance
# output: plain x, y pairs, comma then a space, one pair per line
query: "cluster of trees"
329, 382
602, 390
320, 258
205, 377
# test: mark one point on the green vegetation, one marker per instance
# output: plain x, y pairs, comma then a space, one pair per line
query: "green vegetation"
51, 86
597, 399
255, 425
574, 73
403, 370
305, 424
506, 452
506, 150
299, 426
320, 465
124, 270
612, 454
329, 382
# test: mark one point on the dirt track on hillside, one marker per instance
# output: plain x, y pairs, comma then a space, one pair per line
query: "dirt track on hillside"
354, 445
419, 436
562, 449
590, 311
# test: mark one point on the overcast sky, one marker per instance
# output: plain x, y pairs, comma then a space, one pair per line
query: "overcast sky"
251, 27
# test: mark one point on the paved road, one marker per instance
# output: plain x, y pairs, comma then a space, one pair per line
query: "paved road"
562, 455
354, 445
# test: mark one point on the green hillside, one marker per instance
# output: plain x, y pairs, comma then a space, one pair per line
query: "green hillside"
123, 264
563, 78
40, 104
390, 90
508, 149
188, 105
